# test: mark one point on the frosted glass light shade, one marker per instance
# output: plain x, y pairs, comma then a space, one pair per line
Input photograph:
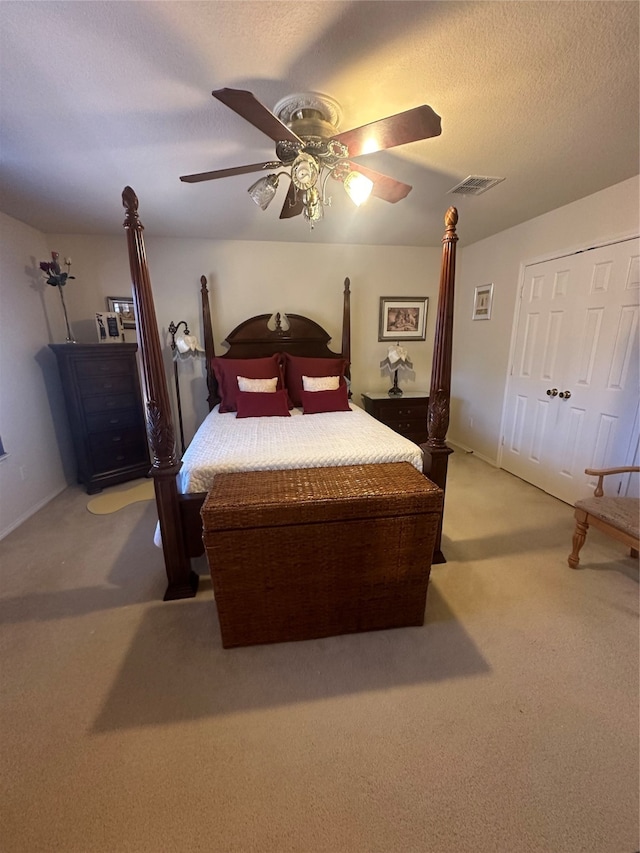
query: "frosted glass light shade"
264, 190
358, 187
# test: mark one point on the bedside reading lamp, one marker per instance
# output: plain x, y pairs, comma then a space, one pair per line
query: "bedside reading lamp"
397, 360
183, 345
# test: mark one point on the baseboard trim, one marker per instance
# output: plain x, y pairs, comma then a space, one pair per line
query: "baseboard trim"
31, 511
465, 449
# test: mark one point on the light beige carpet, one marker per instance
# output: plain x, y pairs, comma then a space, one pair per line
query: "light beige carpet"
111, 500
508, 723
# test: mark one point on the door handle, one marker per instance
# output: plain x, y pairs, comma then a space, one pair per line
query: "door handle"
564, 395
551, 392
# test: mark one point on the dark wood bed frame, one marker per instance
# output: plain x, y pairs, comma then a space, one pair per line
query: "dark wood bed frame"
178, 514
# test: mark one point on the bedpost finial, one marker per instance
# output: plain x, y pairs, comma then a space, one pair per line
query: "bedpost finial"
347, 284
130, 204
451, 218
203, 284
129, 199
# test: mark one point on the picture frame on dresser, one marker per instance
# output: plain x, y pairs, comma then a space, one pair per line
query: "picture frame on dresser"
108, 327
123, 306
403, 318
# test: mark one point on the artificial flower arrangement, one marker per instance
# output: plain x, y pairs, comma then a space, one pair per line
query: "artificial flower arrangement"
57, 278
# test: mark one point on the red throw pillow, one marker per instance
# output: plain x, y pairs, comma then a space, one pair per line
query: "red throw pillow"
315, 402
297, 366
227, 370
262, 404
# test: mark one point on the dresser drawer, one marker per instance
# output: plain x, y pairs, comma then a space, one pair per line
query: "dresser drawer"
396, 413
91, 368
113, 384
406, 425
114, 438
115, 420
107, 403
115, 458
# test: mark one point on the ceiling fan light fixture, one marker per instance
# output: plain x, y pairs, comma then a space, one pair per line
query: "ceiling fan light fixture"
304, 128
305, 171
313, 209
264, 190
358, 187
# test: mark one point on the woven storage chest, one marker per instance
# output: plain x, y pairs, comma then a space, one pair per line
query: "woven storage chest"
316, 552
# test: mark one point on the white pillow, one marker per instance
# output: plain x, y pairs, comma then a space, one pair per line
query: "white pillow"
320, 383
262, 385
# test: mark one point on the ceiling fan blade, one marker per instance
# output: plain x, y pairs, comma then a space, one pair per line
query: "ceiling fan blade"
226, 173
292, 204
249, 107
384, 187
409, 126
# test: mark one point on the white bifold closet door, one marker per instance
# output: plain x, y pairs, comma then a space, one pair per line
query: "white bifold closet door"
572, 399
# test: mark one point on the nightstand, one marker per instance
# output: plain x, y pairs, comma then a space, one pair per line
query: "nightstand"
406, 415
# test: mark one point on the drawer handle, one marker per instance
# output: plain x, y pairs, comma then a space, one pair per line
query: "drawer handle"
108, 385
120, 457
114, 420
117, 438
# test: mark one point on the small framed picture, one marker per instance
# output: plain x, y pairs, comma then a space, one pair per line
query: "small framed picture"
108, 327
403, 318
123, 305
482, 302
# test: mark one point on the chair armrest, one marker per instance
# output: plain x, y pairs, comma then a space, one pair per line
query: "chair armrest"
601, 473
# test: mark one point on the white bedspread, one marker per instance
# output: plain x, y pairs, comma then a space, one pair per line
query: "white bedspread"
225, 443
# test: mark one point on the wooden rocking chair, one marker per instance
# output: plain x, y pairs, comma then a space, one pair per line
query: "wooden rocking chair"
616, 516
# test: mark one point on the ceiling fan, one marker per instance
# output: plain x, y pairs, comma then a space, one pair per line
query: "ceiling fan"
308, 145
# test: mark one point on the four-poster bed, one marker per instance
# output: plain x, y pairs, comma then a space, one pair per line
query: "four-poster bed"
303, 343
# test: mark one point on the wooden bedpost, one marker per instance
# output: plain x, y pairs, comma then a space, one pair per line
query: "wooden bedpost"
346, 326
183, 583
209, 347
436, 450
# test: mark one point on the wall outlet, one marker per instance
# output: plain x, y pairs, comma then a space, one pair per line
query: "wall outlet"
23, 473
470, 423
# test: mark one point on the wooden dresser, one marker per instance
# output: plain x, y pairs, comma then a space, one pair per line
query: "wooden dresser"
406, 415
104, 405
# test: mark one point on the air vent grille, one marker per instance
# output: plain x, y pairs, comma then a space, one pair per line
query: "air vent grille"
475, 185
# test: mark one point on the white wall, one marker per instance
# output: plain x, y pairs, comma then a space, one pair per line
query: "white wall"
254, 278
244, 279
33, 422
481, 348
249, 278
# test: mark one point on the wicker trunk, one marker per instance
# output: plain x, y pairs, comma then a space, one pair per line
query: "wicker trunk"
316, 552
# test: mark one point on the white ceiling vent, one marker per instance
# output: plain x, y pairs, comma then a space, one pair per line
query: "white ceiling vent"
475, 185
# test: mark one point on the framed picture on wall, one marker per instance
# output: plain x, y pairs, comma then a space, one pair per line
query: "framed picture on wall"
123, 305
482, 302
403, 318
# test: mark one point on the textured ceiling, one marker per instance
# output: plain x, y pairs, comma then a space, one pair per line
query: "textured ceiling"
98, 95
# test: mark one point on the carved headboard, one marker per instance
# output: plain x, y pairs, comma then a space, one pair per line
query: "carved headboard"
297, 335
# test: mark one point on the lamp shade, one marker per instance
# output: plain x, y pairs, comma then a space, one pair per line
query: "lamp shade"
397, 359
187, 343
